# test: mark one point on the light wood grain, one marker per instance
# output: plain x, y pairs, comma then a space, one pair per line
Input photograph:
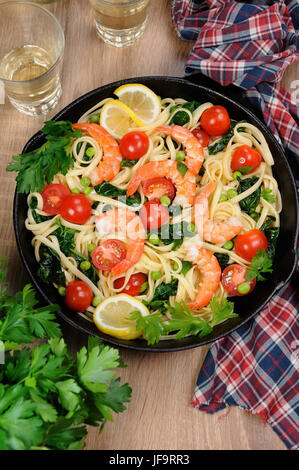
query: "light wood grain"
159, 415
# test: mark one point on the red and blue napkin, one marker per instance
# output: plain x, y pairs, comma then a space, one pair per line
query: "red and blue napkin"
251, 45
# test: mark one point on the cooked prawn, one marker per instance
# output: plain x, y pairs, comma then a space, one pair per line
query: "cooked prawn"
195, 156
211, 274
109, 166
123, 220
214, 232
185, 186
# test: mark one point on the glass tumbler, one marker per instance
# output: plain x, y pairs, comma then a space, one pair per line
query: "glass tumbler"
120, 22
31, 51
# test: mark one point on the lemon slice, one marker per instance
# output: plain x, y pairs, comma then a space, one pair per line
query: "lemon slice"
117, 118
141, 100
112, 316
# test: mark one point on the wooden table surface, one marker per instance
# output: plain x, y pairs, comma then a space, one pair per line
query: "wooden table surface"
159, 415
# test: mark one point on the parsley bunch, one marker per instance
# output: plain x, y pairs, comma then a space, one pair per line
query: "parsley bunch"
41, 165
46, 397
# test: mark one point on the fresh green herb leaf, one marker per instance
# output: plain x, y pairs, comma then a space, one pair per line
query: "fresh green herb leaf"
41, 165
249, 203
185, 323
260, 263
151, 325
268, 195
186, 266
221, 310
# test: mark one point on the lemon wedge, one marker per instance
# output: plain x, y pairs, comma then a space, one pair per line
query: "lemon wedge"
141, 100
112, 316
117, 118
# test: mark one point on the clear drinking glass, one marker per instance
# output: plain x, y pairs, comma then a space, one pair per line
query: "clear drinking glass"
31, 51
120, 22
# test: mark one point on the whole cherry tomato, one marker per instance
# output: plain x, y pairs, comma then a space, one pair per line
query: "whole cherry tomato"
250, 243
134, 145
78, 296
245, 157
215, 120
202, 136
53, 195
75, 208
133, 285
153, 214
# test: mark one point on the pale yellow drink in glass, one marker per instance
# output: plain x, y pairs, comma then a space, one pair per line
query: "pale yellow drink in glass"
31, 48
120, 22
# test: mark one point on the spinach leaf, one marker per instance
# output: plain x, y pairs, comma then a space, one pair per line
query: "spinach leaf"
65, 237
91, 273
50, 269
109, 190
160, 305
174, 233
128, 163
186, 267
223, 259
268, 222
37, 217
250, 203
182, 168
222, 143
164, 291
272, 235
181, 117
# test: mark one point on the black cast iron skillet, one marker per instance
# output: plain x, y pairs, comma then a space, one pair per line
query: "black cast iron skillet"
246, 306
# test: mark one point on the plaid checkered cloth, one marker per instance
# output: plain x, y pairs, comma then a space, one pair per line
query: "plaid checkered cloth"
250, 46
255, 367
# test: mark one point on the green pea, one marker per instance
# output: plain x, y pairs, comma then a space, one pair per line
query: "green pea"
244, 288
176, 266
87, 190
143, 287
75, 191
61, 291
94, 118
232, 193
223, 197
255, 216
180, 156
154, 239
96, 300
155, 275
191, 228
90, 152
85, 265
91, 247
165, 200
85, 181
228, 245
237, 174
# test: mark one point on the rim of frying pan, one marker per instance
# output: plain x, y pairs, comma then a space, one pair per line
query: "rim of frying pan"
169, 345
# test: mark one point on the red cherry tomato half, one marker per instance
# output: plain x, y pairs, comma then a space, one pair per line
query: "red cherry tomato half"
245, 156
153, 215
108, 255
133, 286
247, 245
53, 195
75, 208
215, 120
155, 188
202, 136
134, 145
234, 275
78, 296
